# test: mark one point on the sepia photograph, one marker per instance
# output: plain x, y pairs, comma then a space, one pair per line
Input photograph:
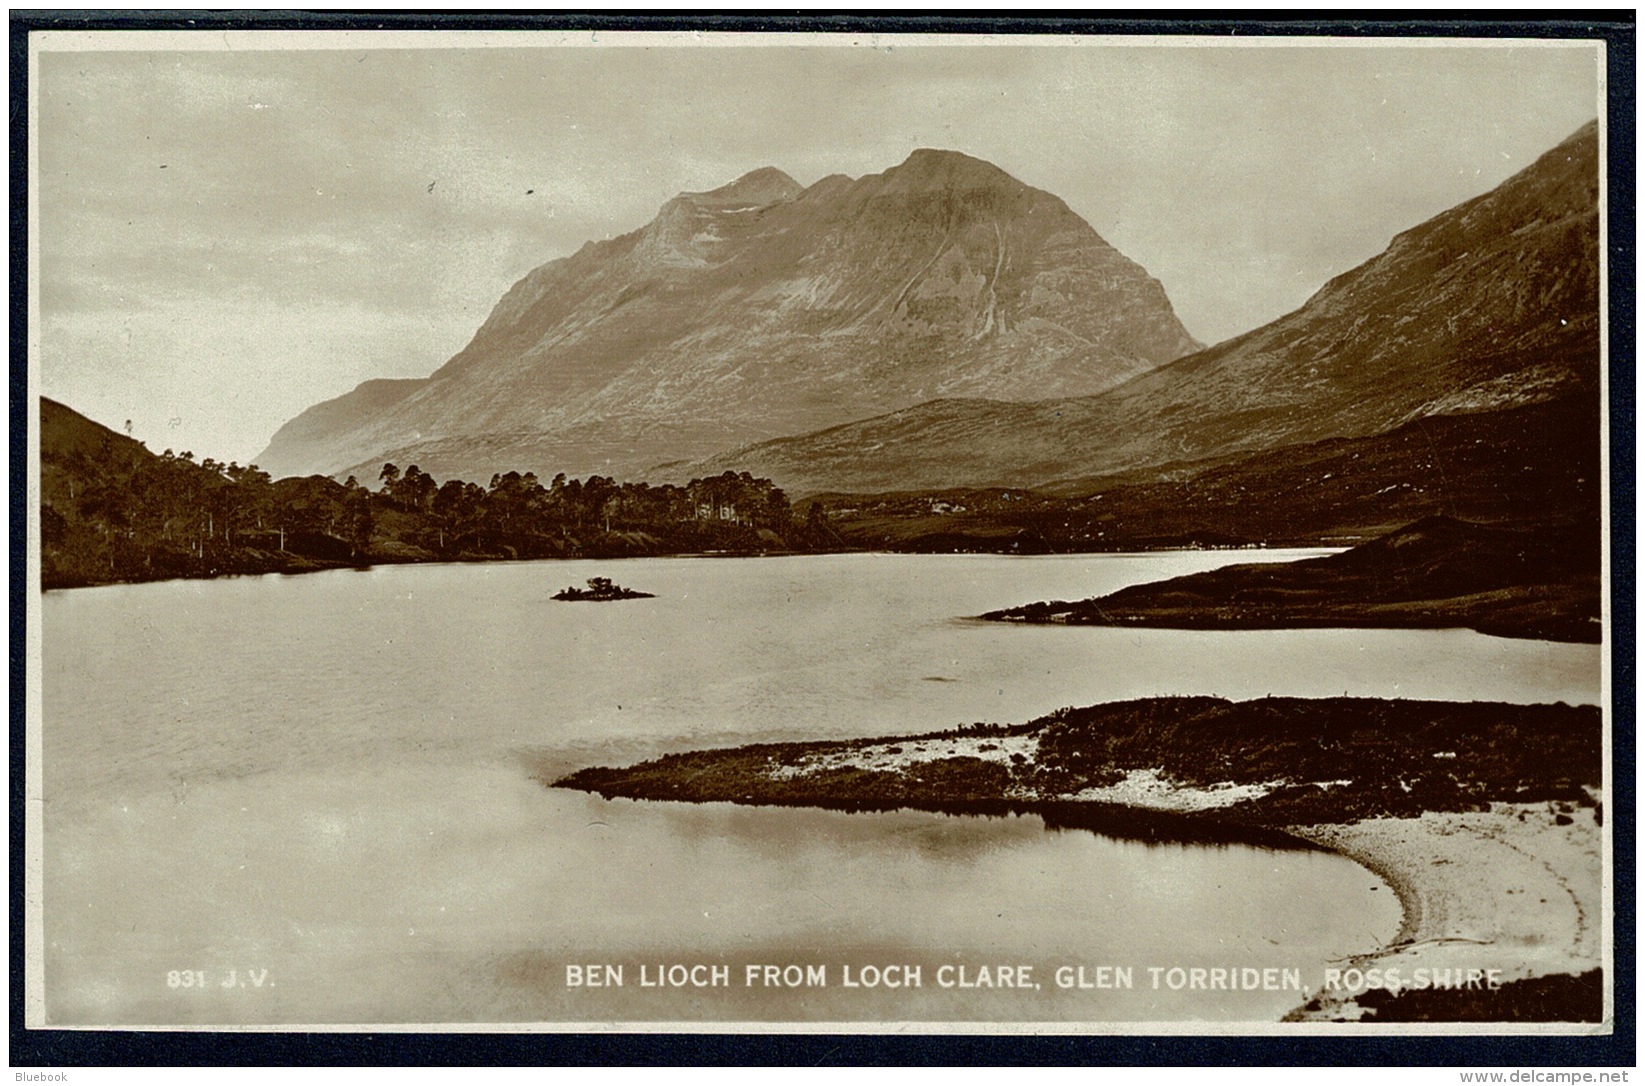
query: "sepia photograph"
574, 531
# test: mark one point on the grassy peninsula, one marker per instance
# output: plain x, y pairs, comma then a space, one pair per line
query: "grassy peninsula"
1438, 572
1483, 817
1271, 762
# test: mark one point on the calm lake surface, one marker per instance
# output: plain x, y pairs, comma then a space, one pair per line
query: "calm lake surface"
329, 785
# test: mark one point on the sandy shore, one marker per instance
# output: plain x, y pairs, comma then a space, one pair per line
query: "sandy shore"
1510, 889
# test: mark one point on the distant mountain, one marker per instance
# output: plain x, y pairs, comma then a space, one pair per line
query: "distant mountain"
764, 309
1491, 305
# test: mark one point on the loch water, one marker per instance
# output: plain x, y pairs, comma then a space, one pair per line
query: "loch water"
320, 799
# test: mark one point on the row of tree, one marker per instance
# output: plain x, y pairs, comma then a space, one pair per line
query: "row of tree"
116, 512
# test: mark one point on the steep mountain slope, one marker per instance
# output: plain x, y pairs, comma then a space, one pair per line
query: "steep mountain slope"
761, 309
1491, 305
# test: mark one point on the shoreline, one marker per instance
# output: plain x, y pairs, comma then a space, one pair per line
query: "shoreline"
1496, 876
302, 565
383, 561
1514, 889
297, 565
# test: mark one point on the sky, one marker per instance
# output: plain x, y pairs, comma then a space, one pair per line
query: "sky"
228, 232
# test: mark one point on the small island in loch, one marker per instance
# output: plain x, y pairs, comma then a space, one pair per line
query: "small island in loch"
1536, 582
601, 590
1484, 818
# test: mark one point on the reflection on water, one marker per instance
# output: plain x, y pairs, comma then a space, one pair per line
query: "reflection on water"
330, 778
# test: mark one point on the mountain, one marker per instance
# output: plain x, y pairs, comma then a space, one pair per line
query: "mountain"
1491, 305
762, 309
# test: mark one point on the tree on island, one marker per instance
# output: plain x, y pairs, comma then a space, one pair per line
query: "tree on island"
601, 590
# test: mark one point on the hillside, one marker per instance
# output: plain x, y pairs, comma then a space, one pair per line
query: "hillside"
763, 309
1535, 463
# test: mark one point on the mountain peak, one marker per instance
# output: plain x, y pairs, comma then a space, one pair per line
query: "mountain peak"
766, 185
930, 167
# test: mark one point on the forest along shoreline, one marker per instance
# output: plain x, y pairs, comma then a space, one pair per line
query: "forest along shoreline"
113, 512
1484, 818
